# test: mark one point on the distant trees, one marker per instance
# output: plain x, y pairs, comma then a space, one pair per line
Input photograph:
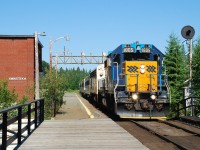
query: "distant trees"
45, 66
73, 77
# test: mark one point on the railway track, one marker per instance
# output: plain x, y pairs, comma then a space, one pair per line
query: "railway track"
169, 135
183, 136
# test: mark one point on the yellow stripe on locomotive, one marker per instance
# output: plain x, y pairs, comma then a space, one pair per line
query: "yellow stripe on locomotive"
141, 76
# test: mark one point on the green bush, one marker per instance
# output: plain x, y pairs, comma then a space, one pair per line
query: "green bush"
52, 92
9, 98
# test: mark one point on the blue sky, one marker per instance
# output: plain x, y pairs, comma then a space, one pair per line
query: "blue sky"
97, 26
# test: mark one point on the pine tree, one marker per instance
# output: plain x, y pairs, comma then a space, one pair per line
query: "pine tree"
175, 63
45, 66
196, 65
196, 72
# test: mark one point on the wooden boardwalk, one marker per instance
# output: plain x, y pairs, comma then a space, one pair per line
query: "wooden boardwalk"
98, 134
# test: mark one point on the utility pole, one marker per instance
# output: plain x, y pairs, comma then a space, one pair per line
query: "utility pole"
37, 95
190, 46
50, 56
37, 83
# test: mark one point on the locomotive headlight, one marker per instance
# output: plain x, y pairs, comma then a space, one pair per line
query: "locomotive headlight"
142, 69
142, 66
134, 96
153, 97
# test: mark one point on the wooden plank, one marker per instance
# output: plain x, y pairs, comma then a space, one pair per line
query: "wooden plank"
81, 134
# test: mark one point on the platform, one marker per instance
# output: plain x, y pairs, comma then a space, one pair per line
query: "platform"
81, 134
97, 133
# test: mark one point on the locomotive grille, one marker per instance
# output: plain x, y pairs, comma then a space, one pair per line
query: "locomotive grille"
151, 68
132, 69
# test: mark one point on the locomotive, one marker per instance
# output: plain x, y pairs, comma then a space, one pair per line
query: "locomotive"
131, 82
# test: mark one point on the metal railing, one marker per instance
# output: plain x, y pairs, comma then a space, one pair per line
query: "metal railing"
184, 107
36, 107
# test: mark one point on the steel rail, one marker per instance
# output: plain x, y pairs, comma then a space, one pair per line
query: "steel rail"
165, 138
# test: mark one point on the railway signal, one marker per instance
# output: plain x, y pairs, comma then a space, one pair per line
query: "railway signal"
188, 33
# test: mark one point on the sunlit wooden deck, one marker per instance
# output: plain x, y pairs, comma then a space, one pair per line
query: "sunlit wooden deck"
81, 134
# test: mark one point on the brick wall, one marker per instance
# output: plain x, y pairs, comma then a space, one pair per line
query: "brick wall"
17, 64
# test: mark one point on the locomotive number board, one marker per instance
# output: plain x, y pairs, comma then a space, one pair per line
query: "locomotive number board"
128, 50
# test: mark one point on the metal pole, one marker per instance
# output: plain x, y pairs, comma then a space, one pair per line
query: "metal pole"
37, 95
190, 83
56, 65
50, 51
64, 54
50, 56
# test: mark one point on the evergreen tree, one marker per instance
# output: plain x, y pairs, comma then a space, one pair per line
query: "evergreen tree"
196, 65
45, 66
176, 67
196, 72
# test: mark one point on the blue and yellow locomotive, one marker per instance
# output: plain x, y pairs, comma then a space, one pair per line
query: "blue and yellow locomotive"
134, 85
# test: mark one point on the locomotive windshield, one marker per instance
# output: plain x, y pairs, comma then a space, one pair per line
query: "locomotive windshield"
136, 56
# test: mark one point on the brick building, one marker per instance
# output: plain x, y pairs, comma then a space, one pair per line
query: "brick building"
17, 63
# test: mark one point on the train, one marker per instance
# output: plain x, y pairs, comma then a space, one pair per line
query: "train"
132, 82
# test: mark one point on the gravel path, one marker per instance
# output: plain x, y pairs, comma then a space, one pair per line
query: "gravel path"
74, 108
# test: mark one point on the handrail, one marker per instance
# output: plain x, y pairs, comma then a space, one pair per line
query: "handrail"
185, 107
162, 78
37, 108
116, 84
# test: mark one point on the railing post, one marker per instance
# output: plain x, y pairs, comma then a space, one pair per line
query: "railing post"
184, 106
185, 110
178, 110
42, 110
192, 101
29, 119
36, 114
19, 124
150, 83
137, 82
54, 114
4, 131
